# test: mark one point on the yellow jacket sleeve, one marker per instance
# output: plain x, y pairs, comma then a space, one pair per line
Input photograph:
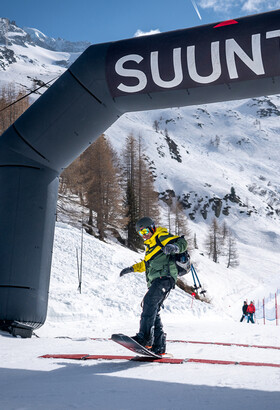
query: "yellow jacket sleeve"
139, 267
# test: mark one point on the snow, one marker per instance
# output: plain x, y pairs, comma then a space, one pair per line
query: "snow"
35, 56
110, 304
246, 158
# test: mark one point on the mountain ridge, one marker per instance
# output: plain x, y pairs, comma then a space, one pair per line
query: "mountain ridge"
28, 54
197, 154
11, 34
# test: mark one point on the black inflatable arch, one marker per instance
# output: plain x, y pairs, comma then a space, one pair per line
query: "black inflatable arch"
217, 62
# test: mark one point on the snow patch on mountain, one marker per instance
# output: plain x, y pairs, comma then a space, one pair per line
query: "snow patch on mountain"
28, 54
201, 153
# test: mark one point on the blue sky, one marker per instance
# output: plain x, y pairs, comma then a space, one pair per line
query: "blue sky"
110, 20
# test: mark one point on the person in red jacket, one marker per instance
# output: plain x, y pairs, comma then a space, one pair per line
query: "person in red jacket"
250, 311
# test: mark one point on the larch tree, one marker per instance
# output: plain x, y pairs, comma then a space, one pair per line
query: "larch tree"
213, 241
141, 198
101, 186
94, 176
8, 115
232, 254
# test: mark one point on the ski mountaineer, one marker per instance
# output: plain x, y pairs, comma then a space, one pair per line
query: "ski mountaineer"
161, 275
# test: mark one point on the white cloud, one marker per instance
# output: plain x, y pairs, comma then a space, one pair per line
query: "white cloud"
249, 6
260, 5
140, 33
216, 5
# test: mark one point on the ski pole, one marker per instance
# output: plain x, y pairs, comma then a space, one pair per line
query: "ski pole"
194, 275
194, 272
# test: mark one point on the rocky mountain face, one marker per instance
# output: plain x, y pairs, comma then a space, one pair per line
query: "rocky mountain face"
11, 34
58, 44
26, 54
218, 159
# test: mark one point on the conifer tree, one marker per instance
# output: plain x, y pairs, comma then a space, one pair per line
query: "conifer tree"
102, 190
213, 242
156, 125
178, 223
224, 231
95, 177
141, 198
70, 179
232, 255
131, 200
9, 94
195, 241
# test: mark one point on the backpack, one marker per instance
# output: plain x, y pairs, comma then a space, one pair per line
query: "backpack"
182, 260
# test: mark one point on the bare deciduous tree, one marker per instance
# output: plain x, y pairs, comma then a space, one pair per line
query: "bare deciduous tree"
9, 94
156, 126
95, 178
232, 255
99, 177
141, 198
195, 242
213, 241
221, 242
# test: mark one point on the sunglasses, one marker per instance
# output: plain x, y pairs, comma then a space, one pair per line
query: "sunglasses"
144, 231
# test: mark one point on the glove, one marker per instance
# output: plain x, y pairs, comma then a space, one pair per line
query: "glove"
170, 249
126, 270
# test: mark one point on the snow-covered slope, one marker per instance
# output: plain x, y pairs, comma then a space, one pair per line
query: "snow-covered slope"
210, 149
27, 55
199, 153
108, 298
110, 304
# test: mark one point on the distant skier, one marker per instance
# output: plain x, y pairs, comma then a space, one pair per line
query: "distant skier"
250, 311
244, 311
161, 275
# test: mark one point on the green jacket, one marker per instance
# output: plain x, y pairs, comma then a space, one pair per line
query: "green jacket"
156, 263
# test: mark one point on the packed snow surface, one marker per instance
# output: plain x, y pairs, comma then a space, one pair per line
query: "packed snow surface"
110, 304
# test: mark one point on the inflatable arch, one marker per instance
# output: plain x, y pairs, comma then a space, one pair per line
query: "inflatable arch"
217, 62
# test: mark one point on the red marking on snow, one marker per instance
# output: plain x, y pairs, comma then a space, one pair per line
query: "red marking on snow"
226, 23
259, 364
206, 343
85, 357
151, 359
208, 361
108, 357
228, 362
111, 357
163, 360
224, 344
65, 356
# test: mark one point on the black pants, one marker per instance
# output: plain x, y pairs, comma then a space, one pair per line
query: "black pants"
151, 329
